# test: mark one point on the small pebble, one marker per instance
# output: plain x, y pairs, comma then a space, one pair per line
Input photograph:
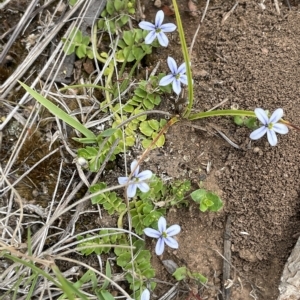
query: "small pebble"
157, 3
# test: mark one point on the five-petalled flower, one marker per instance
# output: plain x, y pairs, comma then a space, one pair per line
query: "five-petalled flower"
157, 30
137, 180
164, 235
270, 125
177, 76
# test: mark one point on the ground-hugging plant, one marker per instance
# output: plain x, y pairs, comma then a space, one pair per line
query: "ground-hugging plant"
146, 197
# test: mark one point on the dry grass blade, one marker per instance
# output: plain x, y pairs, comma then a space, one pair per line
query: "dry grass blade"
277, 6
198, 28
44, 40
227, 15
18, 29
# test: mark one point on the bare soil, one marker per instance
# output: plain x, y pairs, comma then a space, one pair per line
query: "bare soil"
250, 59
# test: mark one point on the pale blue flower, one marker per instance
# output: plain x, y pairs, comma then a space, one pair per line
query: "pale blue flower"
177, 76
136, 181
145, 295
270, 125
164, 235
157, 29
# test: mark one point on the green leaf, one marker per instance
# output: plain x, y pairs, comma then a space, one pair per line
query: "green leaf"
108, 274
145, 128
180, 273
105, 295
147, 48
131, 10
238, 120
149, 273
138, 53
161, 140
111, 26
128, 53
121, 44
123, 259
140, 93
146, 143
208, 202
200, 277
69, 48
217, 202
138, 35
203, 207
154, 124
58, 112
162, 123
251, 123
130, 140
157, 100
101, 23
85, 40
119, 4
81, 51
85, 140
128, 108
110, 7
198, 195
128, 37
123, 20
108, 132
148, 104
75, 36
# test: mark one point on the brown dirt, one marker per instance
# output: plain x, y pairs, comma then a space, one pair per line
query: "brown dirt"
253, 61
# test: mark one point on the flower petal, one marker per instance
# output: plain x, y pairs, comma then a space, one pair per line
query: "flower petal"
171, 242
173, 230
258, 133
159, 18
147, 26
261, 116
182, 69
144, 175
151, 36
122, 180
272, 138
145, 295
172, 65
276, 115
162, 224
162, 39
168, 27
183, 79
280, 128
134, 165
166, 80
152, 233
176, 86
160, 247
143, 186
131, 190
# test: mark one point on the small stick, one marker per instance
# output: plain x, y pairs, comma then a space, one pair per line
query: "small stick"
227, 260
277, 6
18, 29
31, 16
229, 13
196, 33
